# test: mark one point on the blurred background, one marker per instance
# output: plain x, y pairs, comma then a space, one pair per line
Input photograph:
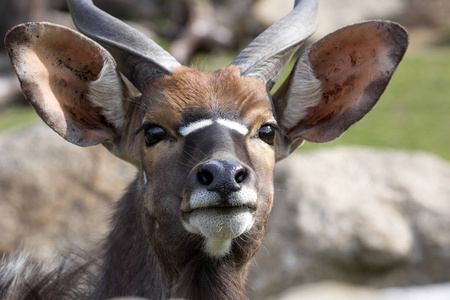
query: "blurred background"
369, 213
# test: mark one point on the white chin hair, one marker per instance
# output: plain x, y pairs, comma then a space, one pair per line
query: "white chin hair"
219, 227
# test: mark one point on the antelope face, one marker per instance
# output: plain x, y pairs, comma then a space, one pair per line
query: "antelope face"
215, 141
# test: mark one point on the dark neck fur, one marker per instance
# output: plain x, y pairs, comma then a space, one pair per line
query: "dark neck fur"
128, 266
132, 268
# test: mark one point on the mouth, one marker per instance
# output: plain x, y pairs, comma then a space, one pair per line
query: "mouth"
204, 199
219, 219
220, 208
219, 223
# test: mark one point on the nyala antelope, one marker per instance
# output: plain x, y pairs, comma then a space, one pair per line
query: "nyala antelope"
204, 144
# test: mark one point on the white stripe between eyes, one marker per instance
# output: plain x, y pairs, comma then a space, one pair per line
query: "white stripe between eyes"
197, 125
191, 127
233, 125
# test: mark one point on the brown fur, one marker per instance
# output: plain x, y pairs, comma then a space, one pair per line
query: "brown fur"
206, 93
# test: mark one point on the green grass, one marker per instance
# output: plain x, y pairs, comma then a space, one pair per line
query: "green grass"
413, 113
16, 116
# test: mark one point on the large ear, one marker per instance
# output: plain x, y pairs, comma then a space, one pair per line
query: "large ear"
337, 80
70, 80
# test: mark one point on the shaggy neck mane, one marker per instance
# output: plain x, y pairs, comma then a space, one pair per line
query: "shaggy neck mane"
131, 267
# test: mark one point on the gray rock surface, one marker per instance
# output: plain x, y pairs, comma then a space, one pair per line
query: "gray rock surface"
54, 194
342, 291
365, 216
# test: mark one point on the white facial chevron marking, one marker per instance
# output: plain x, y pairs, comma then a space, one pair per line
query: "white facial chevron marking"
197, 125
191, 127
233, 125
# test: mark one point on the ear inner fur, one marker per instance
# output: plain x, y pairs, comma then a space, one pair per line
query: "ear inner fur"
106, 92
307, 91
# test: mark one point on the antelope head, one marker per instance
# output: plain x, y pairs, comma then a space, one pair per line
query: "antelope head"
204, 144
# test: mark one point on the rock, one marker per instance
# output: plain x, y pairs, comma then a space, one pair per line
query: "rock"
342, 291
55, 194
364, 216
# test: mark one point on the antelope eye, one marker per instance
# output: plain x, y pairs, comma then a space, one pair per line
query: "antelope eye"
267, 134
154, 135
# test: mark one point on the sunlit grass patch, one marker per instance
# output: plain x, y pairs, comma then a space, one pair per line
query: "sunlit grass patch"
413, 113
17, 115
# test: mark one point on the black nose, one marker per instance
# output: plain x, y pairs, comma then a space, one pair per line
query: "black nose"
222, 176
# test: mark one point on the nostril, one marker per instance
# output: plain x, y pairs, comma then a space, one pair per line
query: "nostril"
205, 176
241, 175
222, 176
